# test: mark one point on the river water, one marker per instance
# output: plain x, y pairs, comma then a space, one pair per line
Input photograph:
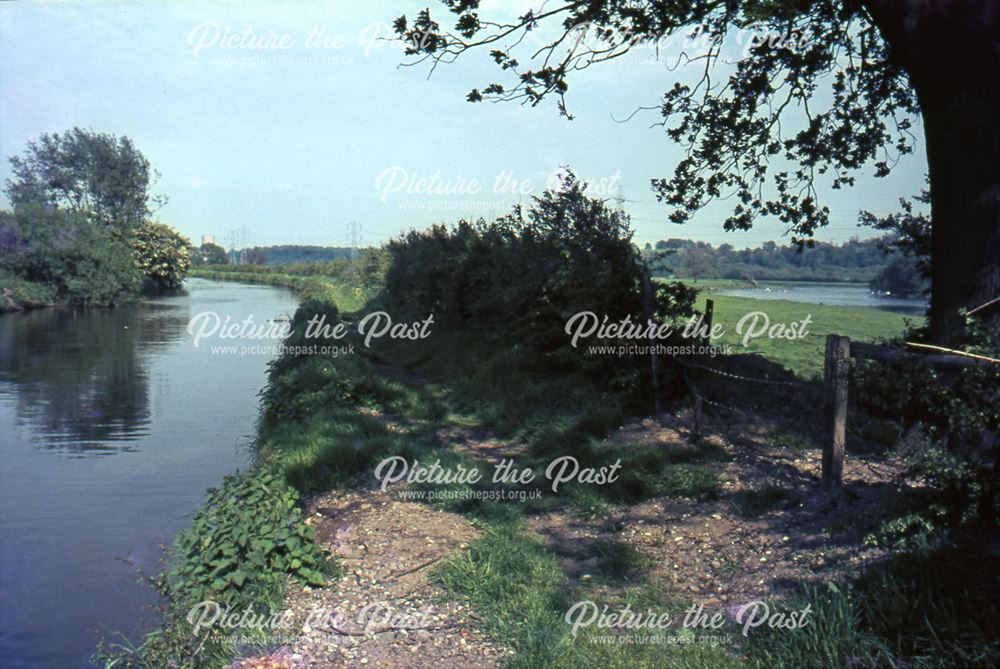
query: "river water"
112, 426
838, 295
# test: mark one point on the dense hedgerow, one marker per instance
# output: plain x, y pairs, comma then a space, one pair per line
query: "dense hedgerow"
518, 279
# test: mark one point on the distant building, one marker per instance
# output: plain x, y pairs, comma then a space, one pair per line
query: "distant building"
207, 239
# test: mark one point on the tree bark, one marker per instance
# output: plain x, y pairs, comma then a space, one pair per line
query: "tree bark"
951, 52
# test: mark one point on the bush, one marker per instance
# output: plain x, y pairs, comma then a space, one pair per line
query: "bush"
16, 293
161, 253
244, 544
517, 280
82, 263
951, 417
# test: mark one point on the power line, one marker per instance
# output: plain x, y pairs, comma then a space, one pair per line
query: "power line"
354, 238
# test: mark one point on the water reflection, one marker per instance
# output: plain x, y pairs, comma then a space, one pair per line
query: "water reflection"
76, 387
81, 381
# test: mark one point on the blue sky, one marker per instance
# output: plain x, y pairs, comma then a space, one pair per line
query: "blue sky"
293, 143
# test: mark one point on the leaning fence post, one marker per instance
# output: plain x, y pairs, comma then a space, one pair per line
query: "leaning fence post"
836, 368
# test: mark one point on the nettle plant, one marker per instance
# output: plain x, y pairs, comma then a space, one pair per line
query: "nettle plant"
245, 541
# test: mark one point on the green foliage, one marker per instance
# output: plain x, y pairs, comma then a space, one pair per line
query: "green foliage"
78, 261
834, 637
244, 541
243, 545
735, 133
292, 254
909, 232
17, 293
956, 416
347, 284
518, 280
932, 608
161, 254
311, 430
529, 270
900, 278
910, 528
96, 174
79, 222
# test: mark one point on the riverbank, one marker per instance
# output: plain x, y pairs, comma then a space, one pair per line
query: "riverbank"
310, 287
16, 294
732, 516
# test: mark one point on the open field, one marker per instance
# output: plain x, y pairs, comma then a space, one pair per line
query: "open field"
802, 356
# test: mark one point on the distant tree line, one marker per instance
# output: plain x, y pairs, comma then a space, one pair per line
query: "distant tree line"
874, 261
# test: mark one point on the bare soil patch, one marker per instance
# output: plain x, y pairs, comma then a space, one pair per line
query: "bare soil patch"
768, 529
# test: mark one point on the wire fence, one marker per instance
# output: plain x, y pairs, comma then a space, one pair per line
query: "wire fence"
821, 404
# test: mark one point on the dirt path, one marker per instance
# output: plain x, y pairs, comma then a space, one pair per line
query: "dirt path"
382, 612
766, 529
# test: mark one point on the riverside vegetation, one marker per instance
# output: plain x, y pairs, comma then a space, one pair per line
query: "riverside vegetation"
498, 362
80, 231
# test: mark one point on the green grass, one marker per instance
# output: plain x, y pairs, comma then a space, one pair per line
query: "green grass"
753, 503
619, 561
522, 597
802, 356
933, 608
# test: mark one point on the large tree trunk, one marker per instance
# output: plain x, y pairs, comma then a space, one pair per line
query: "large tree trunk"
951, 51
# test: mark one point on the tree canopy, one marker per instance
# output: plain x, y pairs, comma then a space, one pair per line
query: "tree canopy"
825, 90
80, 230
827, 59
104, 176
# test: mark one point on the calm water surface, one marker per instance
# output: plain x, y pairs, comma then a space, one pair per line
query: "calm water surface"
112, 425
844, 296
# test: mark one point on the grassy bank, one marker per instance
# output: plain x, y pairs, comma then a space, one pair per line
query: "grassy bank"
327, 421
18, 294
919, 610
317, 287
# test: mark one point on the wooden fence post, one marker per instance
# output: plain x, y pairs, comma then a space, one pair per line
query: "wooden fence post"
836, 368
707, 321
